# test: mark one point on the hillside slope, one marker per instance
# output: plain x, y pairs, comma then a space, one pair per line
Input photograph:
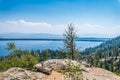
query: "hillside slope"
106, 55
108, 46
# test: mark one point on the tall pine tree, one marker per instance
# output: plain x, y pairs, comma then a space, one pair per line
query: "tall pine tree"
69, 41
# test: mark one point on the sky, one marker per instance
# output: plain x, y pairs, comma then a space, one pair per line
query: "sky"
91, 18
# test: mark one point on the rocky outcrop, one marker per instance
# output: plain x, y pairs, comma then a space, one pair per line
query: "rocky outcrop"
59, 64
55, 64
89, 73
20, 74
99, 74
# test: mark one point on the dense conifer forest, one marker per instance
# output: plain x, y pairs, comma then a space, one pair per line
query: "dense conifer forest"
106, 55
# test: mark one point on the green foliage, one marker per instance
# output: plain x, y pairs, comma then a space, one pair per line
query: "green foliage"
10, 46
69, 41
46, 54
17, 58
73, 72
26, 58
4, 64
106, 55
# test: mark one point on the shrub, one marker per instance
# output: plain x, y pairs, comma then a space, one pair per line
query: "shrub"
73, 72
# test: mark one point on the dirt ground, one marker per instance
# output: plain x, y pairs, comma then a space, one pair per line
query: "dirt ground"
94, 73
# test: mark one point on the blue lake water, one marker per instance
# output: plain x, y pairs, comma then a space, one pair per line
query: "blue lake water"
38, 44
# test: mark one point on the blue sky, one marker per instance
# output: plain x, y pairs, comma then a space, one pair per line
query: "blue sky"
97, 18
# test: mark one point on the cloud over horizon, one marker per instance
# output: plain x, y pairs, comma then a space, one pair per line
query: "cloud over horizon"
22, 26
87, 30
92, 18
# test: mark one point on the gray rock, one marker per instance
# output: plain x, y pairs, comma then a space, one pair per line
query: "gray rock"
20, 74
56, 64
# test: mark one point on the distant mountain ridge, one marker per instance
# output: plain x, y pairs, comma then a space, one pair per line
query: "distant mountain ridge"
34, 36
43, 36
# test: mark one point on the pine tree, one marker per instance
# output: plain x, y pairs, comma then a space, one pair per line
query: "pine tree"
69, 41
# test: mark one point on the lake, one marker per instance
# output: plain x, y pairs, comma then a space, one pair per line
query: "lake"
42, 44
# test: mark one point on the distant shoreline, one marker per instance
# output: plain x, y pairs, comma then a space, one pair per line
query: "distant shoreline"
46, 39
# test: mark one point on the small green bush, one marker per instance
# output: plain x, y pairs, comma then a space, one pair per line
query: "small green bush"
73, 72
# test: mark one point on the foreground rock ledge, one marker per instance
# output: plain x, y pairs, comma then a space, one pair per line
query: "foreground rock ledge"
20, 74
89, 73
54, 64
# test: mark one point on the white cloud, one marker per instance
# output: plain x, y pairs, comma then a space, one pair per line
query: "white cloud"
38, 24
26, 23
98, 30
22, 26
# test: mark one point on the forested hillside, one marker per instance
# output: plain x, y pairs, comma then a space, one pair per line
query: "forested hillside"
106, 55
